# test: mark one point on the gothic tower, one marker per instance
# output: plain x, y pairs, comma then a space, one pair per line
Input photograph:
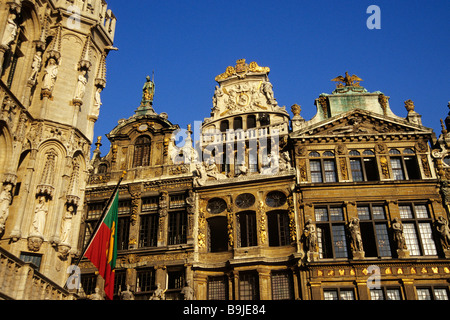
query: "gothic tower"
53, 64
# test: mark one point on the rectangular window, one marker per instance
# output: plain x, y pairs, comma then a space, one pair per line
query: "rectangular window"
247, 226
217, 288
374, 230
330, 170
88, 283
331, 234
123, 231
148, 230
397, 169
177, 227
278, 223
282, 286
149, 204
418, 230
357, 173
248, 286
370, 167
412, 168
316, 171
145, 280
339, 294
385, 294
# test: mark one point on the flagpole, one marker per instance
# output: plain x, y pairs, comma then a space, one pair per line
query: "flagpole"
100, 221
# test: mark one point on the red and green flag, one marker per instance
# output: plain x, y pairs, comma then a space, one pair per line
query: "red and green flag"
102, 249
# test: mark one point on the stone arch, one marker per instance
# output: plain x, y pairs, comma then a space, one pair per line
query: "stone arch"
6, 150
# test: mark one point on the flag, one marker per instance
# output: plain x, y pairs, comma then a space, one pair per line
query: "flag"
102, 249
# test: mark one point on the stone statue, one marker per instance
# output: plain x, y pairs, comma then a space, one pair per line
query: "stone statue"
10, 33
66, 225
310, 235
267, 89
51, 72
127, 294
285, 161
40, 215
148, 91
188, 292
212, 171
444, 232
399, 238
81, 85
96, 295
97, 102
35, 66
355, 233
158, 294
218, 93
5, 202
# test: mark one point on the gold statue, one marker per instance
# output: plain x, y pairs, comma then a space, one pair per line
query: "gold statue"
349, 81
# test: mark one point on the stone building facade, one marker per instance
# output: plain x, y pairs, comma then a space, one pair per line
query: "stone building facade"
255, 204
52, 65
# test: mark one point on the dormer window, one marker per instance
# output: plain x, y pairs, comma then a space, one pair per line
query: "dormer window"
142, 152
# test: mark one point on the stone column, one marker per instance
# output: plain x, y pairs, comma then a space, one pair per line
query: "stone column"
363, 292
265, 284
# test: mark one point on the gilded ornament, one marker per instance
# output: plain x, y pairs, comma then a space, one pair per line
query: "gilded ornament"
241, 70
348, 81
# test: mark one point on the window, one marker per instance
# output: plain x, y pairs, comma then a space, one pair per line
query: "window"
216, 205
123, 230
224, 126
142, 152
248, 286
385, 294
278, 222
245, 200
322, 170
417, 229
177, 201
176, 281
432, 293
331, 232
34, 259
237, 123
217, 288
404, 167
364, 168
88, 283
251, 121
282, 285
218, 234
148, 230
339, 294
247, 229
177, 227
120, 277
275, 199
145, 280
374, 230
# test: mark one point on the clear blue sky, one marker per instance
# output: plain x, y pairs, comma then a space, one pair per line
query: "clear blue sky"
305, 43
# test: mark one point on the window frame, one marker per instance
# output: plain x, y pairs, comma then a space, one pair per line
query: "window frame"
362, 159
142, 151
416, 221
326, 242
325, 172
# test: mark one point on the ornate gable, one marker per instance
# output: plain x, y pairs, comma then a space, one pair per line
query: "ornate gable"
360, 123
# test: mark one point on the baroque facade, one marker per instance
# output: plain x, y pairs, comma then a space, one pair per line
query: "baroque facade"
351, 204
52, 65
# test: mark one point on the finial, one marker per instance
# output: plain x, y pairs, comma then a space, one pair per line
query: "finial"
348, 81
409, 105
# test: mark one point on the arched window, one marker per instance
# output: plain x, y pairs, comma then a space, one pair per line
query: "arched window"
218, 234
142, 152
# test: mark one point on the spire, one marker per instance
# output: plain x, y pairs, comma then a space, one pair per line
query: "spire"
55, 46
85, 60
100, 78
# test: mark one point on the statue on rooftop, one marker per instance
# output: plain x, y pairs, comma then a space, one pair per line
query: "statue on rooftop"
148, 92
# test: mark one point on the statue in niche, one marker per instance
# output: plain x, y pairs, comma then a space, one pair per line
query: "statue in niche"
399, 237
355, 232
81, 85
5, 202
311, 236
444, 232
40, 215
66, 225
10, 32
51, 72
218, 93
97, 102
35, 66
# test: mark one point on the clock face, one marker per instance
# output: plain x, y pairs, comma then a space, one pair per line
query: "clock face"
245, 200
275, 199
216, 205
